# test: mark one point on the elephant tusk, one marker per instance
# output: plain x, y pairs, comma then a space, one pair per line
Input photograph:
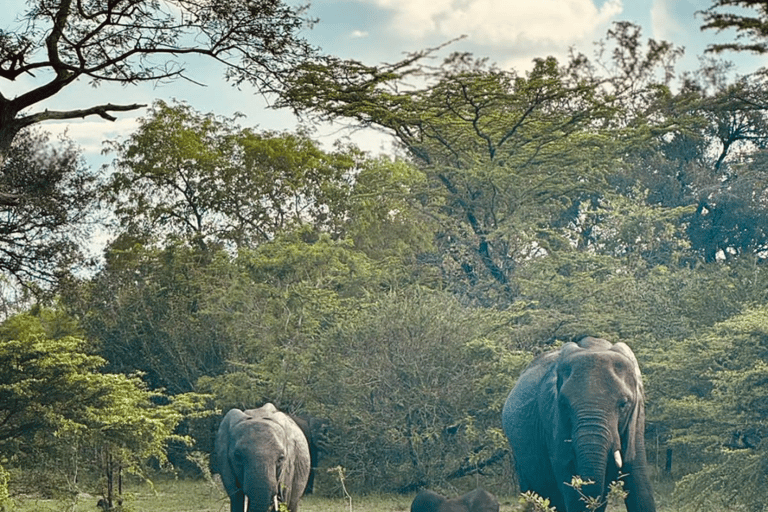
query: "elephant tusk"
277, 507
617, 458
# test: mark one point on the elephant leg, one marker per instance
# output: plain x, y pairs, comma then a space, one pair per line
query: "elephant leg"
237, 501
638, 487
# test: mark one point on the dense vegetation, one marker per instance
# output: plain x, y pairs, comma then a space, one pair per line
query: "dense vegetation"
397, 297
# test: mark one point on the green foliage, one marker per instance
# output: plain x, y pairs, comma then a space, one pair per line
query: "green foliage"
505, 156
55, 399
749, 26
149, 311
719, 407
42, 237
418, 386
283, 298
203, 179
386, 219
615, 497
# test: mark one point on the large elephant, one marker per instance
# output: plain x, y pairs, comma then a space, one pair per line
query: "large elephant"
263, 455
478, 500
579, 411
316, 432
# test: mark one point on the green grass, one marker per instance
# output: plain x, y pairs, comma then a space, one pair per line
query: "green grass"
200, 496
169, 495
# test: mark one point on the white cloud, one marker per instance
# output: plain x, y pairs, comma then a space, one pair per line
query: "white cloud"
357, 34
90, 133
673, 21
499, 22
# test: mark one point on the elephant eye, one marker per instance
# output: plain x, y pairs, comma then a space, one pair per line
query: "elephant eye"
624, 404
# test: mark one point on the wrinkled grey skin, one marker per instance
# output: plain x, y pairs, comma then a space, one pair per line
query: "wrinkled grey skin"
569, 413
478, 500
261, 454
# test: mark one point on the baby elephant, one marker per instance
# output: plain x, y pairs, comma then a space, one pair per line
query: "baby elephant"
478, 500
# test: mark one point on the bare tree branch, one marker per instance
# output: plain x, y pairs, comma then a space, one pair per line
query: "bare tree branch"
102, 111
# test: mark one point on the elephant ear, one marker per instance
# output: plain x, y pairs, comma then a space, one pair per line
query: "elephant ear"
635, 425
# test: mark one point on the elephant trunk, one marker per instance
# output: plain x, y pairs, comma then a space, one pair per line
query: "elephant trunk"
261, 491
594, 443
261, 500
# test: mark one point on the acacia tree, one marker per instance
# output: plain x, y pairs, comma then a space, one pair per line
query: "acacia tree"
753, 27
504, 153
131, 41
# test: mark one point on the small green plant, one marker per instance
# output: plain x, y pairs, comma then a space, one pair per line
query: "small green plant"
537, 503
340, 471
616, 495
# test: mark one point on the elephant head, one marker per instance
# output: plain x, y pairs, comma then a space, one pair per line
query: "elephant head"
262, 457
579, 411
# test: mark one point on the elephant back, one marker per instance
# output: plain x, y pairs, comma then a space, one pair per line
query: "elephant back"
427, 501
480, 500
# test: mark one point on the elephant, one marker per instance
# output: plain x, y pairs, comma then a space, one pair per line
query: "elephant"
579, 411
316, 432
261, 454
478, 500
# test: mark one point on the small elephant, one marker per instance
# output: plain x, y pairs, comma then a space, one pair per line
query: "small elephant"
478, 500
262, 455
579, 411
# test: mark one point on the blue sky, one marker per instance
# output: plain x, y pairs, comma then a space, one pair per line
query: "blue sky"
508, 32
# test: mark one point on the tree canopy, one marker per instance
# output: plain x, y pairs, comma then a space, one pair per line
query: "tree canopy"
60, 43
42, 238
52, 392
751, 27
201, 178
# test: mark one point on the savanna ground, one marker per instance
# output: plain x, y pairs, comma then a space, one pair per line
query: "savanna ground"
170, 495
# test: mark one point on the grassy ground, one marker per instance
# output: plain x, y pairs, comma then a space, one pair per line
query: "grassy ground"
199, 496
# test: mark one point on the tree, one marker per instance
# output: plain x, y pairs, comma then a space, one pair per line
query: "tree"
41, 236
148, 311
203, 179
53, 394
708, 159
714, 399
504, 154
133, 41
385, 219
281, 301
730, 14
418, 387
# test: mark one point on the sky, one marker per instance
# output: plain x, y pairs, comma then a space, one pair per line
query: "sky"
510, 33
